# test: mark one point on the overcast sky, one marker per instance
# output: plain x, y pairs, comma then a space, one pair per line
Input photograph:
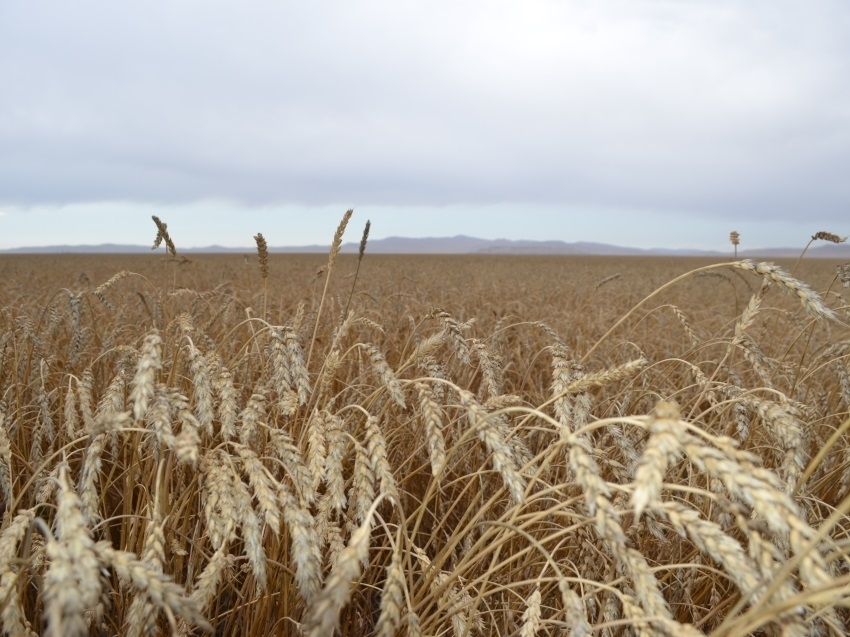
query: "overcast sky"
634, 122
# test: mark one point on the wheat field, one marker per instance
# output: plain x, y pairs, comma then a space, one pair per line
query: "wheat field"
362, 445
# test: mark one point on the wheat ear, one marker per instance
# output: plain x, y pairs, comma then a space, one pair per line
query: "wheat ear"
323, 613
335, 247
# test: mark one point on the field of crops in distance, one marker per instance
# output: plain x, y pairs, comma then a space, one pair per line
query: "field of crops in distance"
423, 445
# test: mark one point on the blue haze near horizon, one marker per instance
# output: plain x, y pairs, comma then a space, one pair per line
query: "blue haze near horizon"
235, 228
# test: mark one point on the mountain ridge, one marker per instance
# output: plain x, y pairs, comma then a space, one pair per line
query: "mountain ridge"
458, 244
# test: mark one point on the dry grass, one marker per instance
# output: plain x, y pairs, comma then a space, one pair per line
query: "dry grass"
423, 446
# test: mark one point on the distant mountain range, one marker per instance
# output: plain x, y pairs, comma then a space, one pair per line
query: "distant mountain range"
459, 244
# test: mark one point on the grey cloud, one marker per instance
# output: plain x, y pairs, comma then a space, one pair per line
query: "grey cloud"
716, 108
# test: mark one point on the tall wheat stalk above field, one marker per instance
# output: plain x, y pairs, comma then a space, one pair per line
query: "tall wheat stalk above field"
818, 236
735, 239
363, 241
263, 256
332, 256
162, 235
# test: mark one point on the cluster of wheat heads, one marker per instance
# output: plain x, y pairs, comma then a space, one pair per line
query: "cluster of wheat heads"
173, 461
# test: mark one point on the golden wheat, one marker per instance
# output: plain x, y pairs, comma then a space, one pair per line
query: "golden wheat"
630, 451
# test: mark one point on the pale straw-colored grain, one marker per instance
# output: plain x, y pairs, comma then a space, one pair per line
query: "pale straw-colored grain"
160, 589
251, 418
77, 336
710, 538
159, 417
70, 418
112, 400
662, 449
686, 325
490, 364
597, 500
607, 376
45, 428
141, 616
305, 551
84, 393
202, 388
252, 537
749, 348
221, 511
433, 369
89, 479
762, 490
336, 244
337, 441
47, 485
237, 504
322, 616
297, 368
145, 378
362, 491
74, 579
317, 449
187, 442
454, 332
228, 407
385, 374
210, 579
452, 602
332, 537
784, 424
101, 290
13, 535
392, 596
501, 453
264, 487
767, 558
531, 617
13, 618
809, 299
330, 367
284, 449
377, 448
6, 479
572, 409
502, 401
430, 414
426, 348
575, 614
281, 376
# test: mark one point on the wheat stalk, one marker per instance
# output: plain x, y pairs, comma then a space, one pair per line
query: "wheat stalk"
263, 256
531, 617
335, 247
500, 452
305, 545
74, 580
12, 614
293, 462
433, 430
392, 596
323, 613
143, 382
808, 298
377, 448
